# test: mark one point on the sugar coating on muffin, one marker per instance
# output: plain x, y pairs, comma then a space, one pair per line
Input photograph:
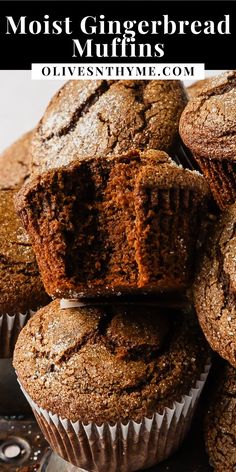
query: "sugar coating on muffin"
220, 426
207, 124
215, 288
100, 117
196, 88
113, 224
108, 363
15, 163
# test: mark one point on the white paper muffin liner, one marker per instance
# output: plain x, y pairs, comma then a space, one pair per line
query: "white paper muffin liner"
120, 447
10, 327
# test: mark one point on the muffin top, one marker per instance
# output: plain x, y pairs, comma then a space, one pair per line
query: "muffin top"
100, 117
208, 123
215, 288
15, 163
20, 285
220, 427
196, 88
109, 363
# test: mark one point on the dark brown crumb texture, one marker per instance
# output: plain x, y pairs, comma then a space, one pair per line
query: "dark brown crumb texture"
108, 364
115, 224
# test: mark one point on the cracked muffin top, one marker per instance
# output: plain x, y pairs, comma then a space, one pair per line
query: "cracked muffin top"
220, 428
15, 163
196, 88
208, 123
215, 288
100, 117
21, 287
108, 363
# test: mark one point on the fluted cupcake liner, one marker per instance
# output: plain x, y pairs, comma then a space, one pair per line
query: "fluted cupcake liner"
120, 447
10, 327
183, 157
221, 174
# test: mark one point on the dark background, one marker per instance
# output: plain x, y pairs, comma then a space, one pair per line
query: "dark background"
217, 52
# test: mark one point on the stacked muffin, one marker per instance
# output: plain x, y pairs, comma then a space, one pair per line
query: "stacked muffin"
113, 380
207, 126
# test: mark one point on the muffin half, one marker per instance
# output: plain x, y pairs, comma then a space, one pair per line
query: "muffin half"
117, 225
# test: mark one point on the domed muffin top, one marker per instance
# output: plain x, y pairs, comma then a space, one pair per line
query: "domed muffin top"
208, 123
108, 363
100, 117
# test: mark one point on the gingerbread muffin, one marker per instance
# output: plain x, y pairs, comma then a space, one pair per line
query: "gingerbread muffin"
100, 118
21, 288
108, 369
15, 163
115, 225
207, 127
220, 430
215, 288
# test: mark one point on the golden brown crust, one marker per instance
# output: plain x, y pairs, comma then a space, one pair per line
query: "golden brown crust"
15, 163
92, 118
215, 288
108, 364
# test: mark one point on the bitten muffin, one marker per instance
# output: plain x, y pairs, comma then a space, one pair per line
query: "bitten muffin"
21, 288
100, 117
15, 163
115, 225
109, 365
220, 427
215, 288
207, 127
